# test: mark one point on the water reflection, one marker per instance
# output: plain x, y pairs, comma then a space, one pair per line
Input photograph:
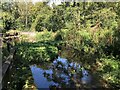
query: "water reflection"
60, 73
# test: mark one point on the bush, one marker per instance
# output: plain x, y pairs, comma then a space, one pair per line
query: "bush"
110, 70
36, 52
44, 36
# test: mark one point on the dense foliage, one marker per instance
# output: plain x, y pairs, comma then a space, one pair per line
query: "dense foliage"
91, 30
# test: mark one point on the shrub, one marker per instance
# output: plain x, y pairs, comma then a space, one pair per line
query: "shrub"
110, 70
28, 52
45, 35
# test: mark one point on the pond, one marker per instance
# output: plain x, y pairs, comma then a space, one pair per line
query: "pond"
61, 73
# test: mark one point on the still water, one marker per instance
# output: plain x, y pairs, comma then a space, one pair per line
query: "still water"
60, 74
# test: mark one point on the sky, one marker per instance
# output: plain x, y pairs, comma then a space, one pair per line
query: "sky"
34, 1
56, 2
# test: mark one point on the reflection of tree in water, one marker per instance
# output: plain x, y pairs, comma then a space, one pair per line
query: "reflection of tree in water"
66, 75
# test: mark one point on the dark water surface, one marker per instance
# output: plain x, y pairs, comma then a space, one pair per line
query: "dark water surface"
60, 74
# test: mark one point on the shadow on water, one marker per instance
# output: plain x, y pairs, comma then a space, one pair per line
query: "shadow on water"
60, 74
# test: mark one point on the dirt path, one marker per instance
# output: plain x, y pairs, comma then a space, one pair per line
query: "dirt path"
28, 33
30, 36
